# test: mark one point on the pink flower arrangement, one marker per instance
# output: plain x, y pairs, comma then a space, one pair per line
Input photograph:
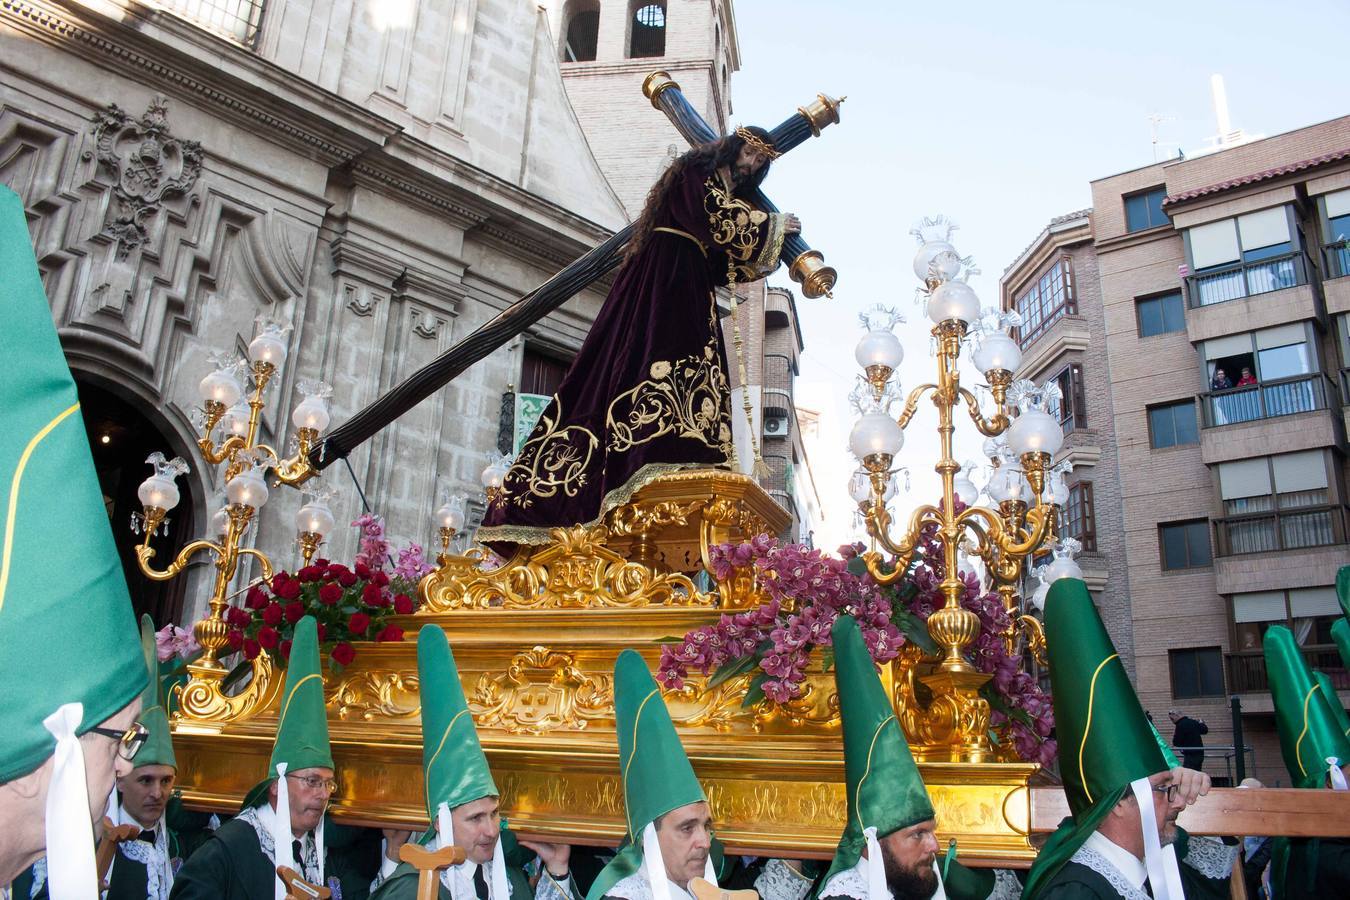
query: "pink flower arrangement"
804, 592
171, 641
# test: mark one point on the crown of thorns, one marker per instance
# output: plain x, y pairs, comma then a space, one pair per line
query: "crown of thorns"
757, 143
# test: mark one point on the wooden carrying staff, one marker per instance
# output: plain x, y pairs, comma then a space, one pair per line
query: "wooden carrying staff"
112, 835
428, 863
298, 888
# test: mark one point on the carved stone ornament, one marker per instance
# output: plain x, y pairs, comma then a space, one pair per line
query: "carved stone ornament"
148, 164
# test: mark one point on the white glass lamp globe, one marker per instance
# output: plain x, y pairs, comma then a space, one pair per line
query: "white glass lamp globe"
269, 347
311, 412
235, 420
314, 518
997, 351
965, 489
158, 491
876, 433
859, 487
247, 488
1059, 491
953, 300
493, 475
1038, 598
1035, 431
451, 516
923, 260
220, 521
1061, 567
221, 387
1008, 484
879, 348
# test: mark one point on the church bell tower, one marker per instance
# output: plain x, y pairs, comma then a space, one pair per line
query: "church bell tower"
607, 47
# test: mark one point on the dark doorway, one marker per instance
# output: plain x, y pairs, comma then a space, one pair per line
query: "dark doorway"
121, 437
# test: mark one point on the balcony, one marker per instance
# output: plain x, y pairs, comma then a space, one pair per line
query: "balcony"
777, 385
1288, 529
1246, 279
1267, 400
1247, 668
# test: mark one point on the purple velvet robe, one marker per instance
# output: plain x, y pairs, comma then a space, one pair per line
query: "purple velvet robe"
648, 393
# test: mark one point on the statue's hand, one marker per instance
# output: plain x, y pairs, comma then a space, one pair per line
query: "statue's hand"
793, 225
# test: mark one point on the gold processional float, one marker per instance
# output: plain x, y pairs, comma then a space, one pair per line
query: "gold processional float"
536, 637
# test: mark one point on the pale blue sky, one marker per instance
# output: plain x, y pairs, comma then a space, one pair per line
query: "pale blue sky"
998, 115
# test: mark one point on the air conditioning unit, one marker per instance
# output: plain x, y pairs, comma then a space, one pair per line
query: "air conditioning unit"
775, 426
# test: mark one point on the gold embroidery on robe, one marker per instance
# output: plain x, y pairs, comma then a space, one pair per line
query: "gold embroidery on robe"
554, 460
683, 398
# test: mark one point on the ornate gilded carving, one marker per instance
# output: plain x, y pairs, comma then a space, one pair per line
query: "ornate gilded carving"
542, 690
149, 166
376, 694
577, 570
951, 724
201, 699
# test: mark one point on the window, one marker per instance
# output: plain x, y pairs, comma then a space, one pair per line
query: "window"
236, 19
1276, 503
1048, 300
1196, 672
1172, 425
1071, 406
1080, 522
647, 30
1308, 612
1246, 255
582, 33
540, 373
1161, 314
1261, 374
1336, 210
1145, 210
1185, 545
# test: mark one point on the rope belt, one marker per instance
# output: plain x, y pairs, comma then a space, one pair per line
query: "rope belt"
684, 234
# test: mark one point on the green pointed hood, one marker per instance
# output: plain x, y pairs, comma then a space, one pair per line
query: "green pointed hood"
885, 789
1308, 728
302, 728
655, 772
453, 763
1340, 629
1105, 741
61, 581
1337, 710
158, 747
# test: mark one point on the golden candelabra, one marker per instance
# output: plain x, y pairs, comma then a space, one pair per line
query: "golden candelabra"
246, 461
955, 724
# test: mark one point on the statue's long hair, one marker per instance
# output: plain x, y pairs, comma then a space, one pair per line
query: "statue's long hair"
704, 158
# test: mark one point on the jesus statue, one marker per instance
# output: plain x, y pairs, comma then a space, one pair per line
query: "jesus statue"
648, 392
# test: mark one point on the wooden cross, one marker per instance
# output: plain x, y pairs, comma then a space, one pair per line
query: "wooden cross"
298, 888
428, 863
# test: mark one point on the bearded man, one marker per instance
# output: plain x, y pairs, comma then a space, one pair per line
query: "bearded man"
648, 392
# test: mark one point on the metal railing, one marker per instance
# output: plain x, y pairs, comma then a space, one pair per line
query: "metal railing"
1266, 400
1247, 668
1337, 257
1288, 529
240, 20
777, 384
1226, 752
1244, 279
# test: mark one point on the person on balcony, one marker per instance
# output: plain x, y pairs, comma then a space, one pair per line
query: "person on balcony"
1247, 377
889, 848
461, 800
1220, 381
1188, 738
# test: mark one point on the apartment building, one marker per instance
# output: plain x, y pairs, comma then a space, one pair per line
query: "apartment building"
1197, 319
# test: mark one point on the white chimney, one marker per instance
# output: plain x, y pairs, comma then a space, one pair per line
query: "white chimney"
1220, 107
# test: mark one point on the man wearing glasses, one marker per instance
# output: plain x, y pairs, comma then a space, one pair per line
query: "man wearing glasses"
282, 820
71, 672
1125, 793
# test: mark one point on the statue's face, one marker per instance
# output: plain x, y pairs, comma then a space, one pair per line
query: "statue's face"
146, 791
477, 825
685, 835
749, 161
